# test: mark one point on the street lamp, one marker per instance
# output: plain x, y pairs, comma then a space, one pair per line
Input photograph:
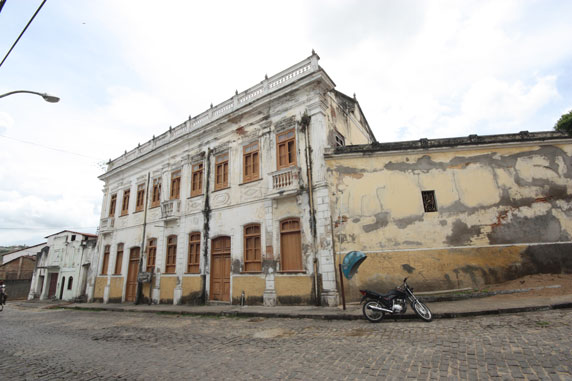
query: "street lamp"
47, 97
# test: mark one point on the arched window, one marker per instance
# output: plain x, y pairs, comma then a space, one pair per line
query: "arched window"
151, 254
70, 283
171, 262
290, 245
252, 251
105, 260
118, 259
194, 253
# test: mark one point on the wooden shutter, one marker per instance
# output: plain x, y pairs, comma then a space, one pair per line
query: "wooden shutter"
290, 245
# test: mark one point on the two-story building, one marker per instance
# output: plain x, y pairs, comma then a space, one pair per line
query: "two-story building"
233, 203
63, 266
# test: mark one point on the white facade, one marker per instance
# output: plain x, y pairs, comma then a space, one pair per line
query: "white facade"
299, 104
62, 267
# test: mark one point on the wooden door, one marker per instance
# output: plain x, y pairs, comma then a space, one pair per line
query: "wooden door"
290, 245
53, 285
132, 271
220, 269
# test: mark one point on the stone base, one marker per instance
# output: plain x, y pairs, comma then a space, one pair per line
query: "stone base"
330, 298
269, 298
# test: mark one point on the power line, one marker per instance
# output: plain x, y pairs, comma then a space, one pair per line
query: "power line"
52, 148
27, 25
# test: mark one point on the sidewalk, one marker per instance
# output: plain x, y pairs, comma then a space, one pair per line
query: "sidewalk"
497, 304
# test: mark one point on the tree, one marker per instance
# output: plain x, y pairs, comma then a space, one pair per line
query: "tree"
564, 124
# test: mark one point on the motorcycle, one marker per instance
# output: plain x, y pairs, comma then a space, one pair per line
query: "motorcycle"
375, 305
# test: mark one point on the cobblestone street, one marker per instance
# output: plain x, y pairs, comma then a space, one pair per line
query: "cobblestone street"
63, 344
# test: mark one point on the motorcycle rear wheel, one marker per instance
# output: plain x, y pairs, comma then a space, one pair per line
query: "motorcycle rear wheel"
422, 311
372, 315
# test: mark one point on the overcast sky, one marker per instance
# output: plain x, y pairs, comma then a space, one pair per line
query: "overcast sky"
126, 70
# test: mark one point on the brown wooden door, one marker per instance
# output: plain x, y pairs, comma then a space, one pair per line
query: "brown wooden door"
290, 245
53, 285
132, 272
220, 269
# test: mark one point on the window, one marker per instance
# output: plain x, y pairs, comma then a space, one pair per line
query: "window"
70, 283
105, 260
290, 245
286, 149
156, 200
252, 258
175, 185
171, 262
140, 204
125, 205
118, 259
197, 180
429, 203
340, 141
221, 171
112, 205
151, 254
250, 162
194, 253
72, 237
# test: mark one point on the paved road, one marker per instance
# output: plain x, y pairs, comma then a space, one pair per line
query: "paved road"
61, 344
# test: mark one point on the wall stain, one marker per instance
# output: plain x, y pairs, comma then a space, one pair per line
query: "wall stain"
407, 268
461, 233
381, 220
545, 228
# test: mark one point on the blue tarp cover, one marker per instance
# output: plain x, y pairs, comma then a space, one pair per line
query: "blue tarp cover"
351, 263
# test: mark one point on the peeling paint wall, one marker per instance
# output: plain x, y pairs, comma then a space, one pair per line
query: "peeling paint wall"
116, 289
253, 287
503, 195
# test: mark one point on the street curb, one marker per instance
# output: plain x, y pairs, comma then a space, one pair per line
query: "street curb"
341, 316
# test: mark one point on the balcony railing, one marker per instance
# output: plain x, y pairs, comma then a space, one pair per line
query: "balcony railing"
170, 209
240, 99
286, 180
106, 224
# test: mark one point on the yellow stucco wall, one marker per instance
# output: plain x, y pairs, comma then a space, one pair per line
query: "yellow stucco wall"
99, 287
293, 289
476, 191
502, 212
116, 289
252, 285
168, 284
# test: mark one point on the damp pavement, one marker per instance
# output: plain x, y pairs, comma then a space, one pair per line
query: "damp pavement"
511, 301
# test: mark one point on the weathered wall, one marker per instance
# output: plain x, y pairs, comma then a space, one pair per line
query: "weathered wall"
294, 289
168, 284
18, 268
192, 287
99, 288
116, 289
485, 196
253, 287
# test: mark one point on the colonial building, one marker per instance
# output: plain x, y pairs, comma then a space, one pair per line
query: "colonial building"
232, 204
63, 266
454, 213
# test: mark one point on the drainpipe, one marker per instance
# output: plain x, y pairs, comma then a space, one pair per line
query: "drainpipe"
140, 284
206, 217
305, 124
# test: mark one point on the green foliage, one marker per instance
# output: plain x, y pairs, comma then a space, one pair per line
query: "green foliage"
564, 124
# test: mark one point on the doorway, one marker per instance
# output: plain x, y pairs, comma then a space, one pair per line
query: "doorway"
132, 271
220, 269
53, 285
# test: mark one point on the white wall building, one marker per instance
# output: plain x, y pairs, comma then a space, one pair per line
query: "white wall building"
233, 203
28, 251
62, 267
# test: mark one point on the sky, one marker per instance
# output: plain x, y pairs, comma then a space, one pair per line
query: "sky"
126, 70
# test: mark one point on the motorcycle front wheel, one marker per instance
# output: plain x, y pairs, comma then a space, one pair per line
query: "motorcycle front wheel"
372, 315
422, 311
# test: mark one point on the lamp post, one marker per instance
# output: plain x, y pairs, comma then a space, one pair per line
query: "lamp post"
47, 97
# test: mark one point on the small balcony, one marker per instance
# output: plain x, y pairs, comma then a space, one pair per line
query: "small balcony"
170, 209
284, 182
106, 225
